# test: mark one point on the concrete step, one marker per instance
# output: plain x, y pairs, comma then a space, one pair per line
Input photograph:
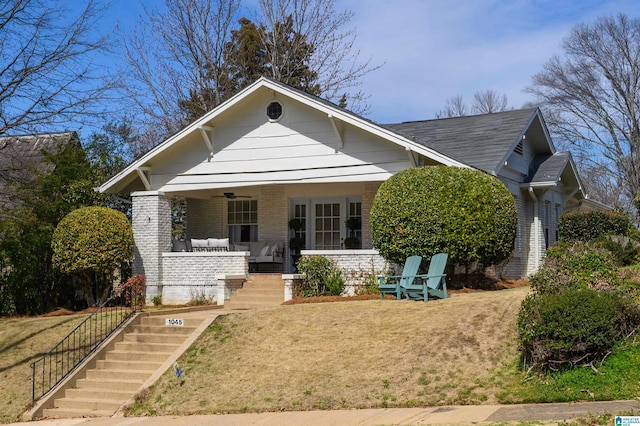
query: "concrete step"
155, 338
273, 281
107, 394
136, 346
127, 385
138, 365
266, 296
162, 329
57, 413
136, 355
117, 374
90, 404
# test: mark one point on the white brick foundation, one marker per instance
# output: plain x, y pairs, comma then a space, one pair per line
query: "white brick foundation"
206, 276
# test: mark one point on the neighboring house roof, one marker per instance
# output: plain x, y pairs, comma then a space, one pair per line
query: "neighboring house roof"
481, 141
21, 155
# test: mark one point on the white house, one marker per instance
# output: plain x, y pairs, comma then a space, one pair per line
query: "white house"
273, 153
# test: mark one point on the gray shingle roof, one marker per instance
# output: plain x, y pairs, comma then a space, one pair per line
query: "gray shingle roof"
19, 155
548, 168
481, 141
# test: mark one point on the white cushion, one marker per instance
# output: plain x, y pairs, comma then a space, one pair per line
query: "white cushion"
264, 251
195, 243
274, 250
255, 247
219, 242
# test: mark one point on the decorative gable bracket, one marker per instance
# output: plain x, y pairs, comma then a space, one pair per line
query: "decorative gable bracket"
144, 173
208, 140
337, 130
412, 158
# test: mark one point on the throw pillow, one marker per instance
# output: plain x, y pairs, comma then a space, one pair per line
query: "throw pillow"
264, 251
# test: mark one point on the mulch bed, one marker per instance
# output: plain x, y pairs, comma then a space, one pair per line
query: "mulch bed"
500, 285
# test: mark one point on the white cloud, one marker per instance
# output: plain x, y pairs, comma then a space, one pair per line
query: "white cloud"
437, 49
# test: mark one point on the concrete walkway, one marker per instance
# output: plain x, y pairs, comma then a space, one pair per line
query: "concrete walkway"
459, 415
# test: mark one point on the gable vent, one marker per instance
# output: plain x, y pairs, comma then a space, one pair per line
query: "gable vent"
519, 148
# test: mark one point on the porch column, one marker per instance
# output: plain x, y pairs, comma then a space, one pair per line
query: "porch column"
370, 190
151, 224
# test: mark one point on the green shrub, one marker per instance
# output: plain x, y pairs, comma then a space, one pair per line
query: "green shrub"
625, 250
427, 210
575, 266
92, 238
573, 326
589, 226
321, 277
92, 242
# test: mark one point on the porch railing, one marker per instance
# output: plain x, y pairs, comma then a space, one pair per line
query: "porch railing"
63, 359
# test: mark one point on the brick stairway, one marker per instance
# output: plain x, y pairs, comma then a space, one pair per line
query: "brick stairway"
143, 350
259, 291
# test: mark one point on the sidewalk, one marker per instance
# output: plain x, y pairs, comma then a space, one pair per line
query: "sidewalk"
459, 415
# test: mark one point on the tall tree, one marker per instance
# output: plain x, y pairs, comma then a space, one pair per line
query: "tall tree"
64, 181
48, 75
334, 57
192, 56
592, 94
177, 56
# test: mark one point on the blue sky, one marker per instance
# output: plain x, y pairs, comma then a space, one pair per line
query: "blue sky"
435, 49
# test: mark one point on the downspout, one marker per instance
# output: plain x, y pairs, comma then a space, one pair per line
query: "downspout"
536, 228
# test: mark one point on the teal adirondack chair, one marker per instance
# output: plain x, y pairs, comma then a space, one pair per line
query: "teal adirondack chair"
433, 282
391, 284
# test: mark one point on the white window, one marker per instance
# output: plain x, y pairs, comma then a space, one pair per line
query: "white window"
242, 218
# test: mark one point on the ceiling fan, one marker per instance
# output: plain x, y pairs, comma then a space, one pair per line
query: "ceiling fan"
232, 196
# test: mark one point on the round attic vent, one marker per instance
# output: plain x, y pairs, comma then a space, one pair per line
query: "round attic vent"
274, 111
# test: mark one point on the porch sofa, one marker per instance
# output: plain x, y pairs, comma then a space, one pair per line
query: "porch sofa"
262, 254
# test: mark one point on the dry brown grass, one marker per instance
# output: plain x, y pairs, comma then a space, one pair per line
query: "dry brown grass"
360, 354
22, 341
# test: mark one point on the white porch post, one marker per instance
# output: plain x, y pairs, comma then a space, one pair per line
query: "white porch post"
151, 224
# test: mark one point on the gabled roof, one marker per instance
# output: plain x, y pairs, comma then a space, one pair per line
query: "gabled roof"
481, 141
333, 112
548, 168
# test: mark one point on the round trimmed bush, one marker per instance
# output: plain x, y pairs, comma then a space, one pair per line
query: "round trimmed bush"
92, 239
427, 210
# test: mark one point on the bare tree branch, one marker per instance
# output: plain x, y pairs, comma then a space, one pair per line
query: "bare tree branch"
488, 102
48, 75
177, 55
592, 94
335, 58
454, 107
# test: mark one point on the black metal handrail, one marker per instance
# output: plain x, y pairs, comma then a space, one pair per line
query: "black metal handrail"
60, 361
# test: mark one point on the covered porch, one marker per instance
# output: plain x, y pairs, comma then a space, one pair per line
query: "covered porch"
330, 219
